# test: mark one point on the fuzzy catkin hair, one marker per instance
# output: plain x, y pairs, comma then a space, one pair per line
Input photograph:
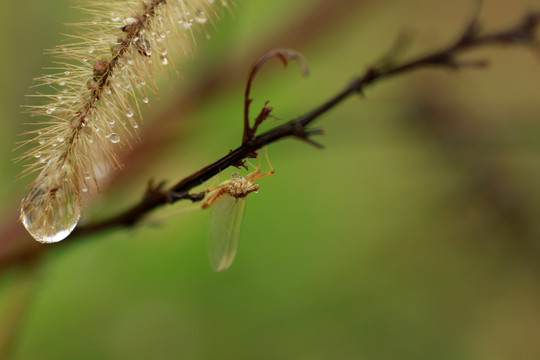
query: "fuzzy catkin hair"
101, 75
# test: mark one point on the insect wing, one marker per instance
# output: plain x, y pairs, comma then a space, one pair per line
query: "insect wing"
226, 217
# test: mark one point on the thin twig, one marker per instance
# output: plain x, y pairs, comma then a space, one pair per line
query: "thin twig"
523, 33
16, 246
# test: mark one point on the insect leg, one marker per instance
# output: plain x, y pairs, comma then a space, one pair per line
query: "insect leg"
271, 172
217, 193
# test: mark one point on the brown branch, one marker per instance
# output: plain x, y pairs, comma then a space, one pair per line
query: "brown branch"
16, 246
522, 33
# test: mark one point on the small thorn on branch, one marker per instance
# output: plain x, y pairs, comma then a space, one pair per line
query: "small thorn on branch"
357, 85
263, 115
304, 134
400, 45
153, 190
241, 164
529, 28
473, 27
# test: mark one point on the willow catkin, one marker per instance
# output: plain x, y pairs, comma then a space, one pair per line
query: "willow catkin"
101, 75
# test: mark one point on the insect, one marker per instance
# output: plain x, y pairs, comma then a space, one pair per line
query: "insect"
228, 201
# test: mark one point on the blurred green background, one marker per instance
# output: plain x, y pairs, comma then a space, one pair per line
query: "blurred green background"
412, 235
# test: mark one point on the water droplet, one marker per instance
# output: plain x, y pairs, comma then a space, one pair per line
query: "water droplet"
164, 61
67, 73
187, 25
143, 45
52, 208
84, 188
50, 109
129, 113
145, 100
134, 124
37, 155
41, 141
87, 176
200, 17
111, 122
114, 138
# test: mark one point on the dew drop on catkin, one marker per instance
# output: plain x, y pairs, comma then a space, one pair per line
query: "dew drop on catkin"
52, 208
94, 100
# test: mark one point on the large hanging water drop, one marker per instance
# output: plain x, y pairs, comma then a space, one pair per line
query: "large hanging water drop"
52, 208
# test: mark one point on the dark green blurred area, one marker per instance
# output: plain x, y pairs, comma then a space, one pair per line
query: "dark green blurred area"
412, 235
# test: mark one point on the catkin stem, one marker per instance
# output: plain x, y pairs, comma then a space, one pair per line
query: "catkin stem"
92, 111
